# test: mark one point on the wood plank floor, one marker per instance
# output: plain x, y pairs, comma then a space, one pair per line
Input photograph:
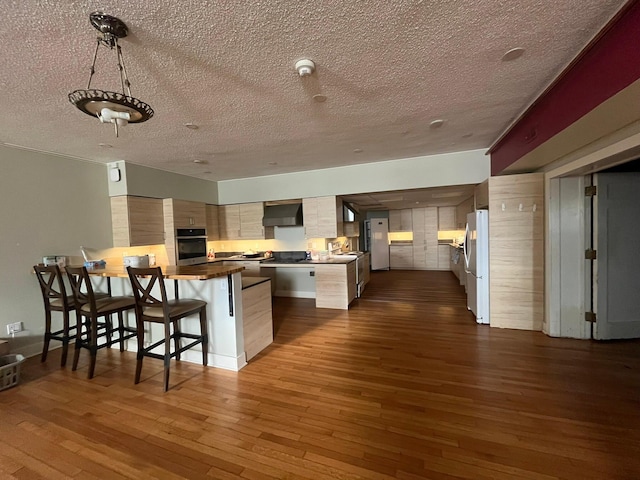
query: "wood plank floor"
403, 385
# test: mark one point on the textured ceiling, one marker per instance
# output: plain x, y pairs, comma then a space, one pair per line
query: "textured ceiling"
387, 69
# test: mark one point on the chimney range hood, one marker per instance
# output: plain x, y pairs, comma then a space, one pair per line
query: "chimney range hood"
285, 215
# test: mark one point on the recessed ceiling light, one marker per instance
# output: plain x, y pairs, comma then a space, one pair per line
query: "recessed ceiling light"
197, 160
357, 150
437, 123
513, 54
318, 97
191, 126
417, 203
105, 145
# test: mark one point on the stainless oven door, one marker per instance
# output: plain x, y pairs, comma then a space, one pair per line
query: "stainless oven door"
191, 250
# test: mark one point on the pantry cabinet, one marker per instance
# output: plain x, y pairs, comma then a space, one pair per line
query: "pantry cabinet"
425, 238
323, 217
400, 220
136, 221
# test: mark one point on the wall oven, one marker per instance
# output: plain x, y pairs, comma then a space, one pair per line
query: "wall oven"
191, 246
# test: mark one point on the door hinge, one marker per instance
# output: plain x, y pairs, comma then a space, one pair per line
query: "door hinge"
590, 254
590, 191
590, 317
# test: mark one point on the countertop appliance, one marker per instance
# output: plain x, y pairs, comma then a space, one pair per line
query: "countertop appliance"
476, 262
377, 238
191, 246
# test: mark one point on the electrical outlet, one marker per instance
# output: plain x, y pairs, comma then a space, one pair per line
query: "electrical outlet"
14, 328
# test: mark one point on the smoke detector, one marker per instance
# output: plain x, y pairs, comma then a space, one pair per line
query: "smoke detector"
305, 67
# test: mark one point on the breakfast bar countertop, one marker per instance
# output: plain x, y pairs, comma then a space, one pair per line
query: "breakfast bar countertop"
175, 272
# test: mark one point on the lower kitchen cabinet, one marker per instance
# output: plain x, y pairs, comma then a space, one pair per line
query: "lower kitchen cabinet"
335, 285
401, 257
257, 322
444, 253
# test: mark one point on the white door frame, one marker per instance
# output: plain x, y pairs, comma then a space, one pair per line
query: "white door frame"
565, 229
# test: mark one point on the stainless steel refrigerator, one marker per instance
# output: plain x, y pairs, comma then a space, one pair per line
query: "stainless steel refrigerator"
377, 237
476, 258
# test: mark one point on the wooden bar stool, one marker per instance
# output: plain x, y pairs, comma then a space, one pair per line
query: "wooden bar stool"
55, 299
92, 308
150, 308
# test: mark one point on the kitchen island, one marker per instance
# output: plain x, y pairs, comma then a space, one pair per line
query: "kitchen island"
221, 287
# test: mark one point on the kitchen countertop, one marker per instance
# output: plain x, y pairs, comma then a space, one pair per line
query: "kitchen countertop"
174, 272
306, 263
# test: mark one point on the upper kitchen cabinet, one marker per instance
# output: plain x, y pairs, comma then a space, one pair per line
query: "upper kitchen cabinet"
183, 214
400, 220
481, 192
213, 230
323, 217
136, 221
351, 229
463, 208
243, 222
446, 218
229, 222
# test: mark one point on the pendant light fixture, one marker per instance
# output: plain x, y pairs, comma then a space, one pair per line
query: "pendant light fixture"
117, 108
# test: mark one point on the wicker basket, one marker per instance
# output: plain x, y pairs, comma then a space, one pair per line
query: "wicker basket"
10, 370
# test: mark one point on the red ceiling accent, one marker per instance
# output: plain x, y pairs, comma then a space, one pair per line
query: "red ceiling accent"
609, 65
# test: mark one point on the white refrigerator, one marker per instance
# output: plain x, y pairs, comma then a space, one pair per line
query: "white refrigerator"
378, 242
476, 258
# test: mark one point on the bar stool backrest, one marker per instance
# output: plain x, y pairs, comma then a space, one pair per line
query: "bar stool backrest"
52, 285
81, 287
142, 293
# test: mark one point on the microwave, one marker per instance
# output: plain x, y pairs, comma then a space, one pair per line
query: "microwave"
191, 246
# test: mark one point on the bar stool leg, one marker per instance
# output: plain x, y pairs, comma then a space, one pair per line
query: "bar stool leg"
176, 338
121, 331
47, 335
167, 354
93, 346
82, 326
65, 338
205, 340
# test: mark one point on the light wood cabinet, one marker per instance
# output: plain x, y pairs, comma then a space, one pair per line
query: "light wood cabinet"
401, 220
516, 251
242, 222
425, 238
335, 285
136, 221
401, 257
462, 209
446, 218
183, 214
229, 222
257, 321
351, 229
366, 267
323, 217
444, 255
213, 230
481, 193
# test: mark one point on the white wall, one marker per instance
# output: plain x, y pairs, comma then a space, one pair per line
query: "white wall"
49, 205
458, 168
